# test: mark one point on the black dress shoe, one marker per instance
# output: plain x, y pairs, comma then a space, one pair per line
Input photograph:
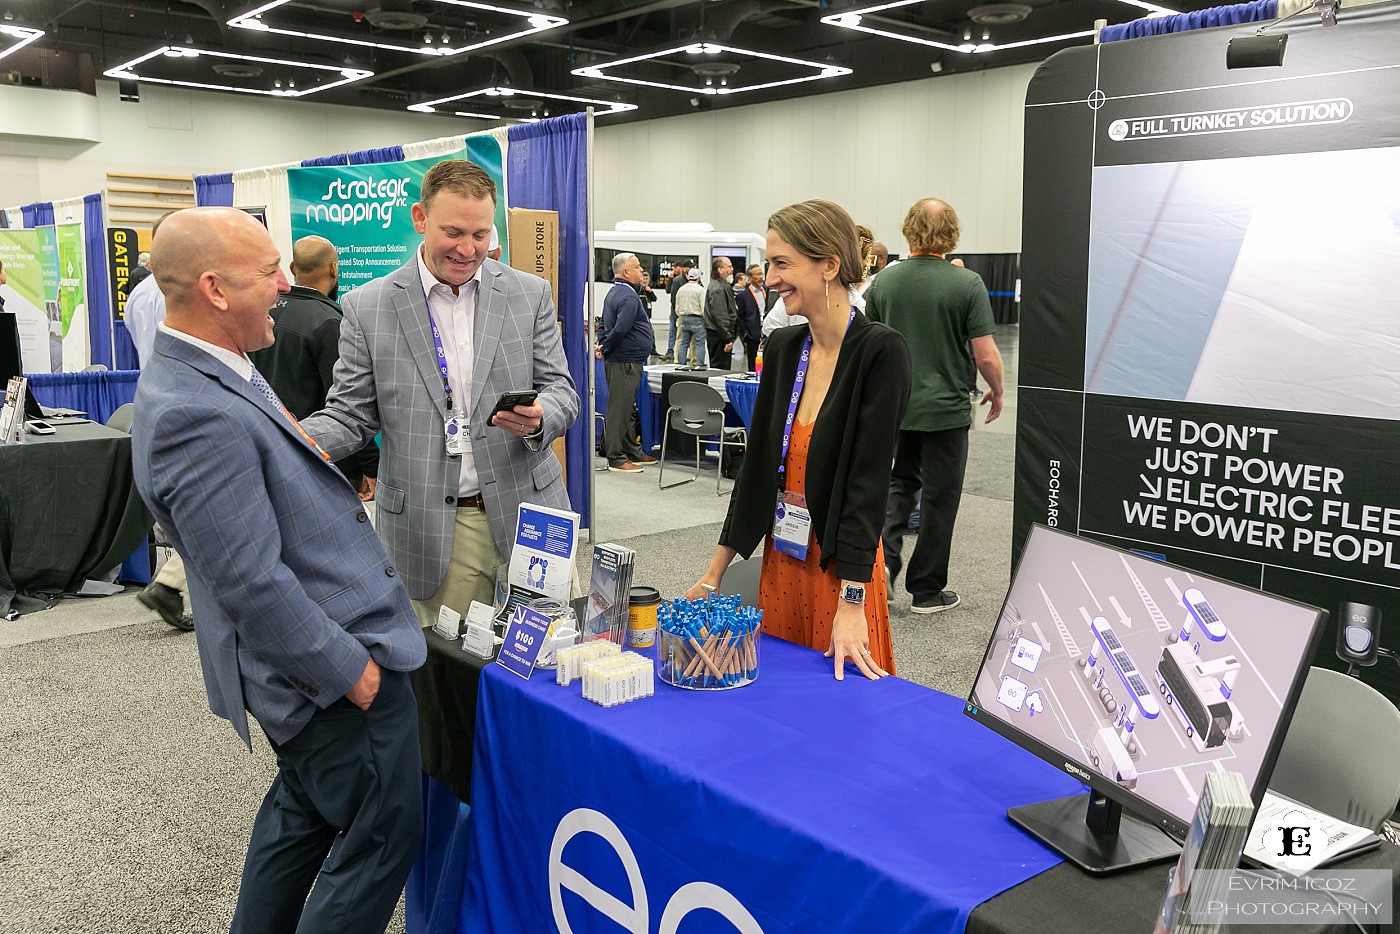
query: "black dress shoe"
169, 603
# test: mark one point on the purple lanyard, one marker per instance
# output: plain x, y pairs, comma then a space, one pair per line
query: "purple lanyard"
797, 384
441, 355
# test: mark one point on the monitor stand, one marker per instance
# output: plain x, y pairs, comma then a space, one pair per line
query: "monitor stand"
1103, 840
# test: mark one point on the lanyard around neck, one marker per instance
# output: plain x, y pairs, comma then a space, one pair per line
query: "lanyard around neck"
441, 359
798, 382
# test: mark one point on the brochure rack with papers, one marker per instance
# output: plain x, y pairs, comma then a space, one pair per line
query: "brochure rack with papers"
609, 587
542, 560
1213, 842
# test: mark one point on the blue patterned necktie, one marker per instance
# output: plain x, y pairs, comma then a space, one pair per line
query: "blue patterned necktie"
261, 385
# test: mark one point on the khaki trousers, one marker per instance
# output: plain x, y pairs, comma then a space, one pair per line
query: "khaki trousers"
471, 571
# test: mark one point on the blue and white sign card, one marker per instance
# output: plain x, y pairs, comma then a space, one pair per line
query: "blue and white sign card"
542, 560
525, 637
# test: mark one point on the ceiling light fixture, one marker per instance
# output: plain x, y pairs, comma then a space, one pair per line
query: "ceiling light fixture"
857, 20
437, 106
532, 22
16, 37
130, 71
821, 70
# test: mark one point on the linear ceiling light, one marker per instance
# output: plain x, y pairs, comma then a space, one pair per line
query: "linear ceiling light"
856, 19
820, 69
488, 95
13, 38
520, 23
130, 72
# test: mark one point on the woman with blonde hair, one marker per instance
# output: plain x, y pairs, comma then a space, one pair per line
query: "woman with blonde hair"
817, 467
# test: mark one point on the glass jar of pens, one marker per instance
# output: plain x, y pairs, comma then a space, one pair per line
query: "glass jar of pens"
708, 645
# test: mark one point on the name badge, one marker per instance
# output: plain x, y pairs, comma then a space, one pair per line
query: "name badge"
455, 433
792, 526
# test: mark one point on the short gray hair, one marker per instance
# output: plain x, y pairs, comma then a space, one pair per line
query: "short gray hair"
620, 260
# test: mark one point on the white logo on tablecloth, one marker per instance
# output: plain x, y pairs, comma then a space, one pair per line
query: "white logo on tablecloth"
634, 918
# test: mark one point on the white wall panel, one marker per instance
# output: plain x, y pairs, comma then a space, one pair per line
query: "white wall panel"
874, 150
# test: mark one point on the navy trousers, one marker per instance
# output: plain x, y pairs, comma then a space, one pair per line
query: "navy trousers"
342, 821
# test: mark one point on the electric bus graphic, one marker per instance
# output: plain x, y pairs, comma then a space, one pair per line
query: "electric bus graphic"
1200, 693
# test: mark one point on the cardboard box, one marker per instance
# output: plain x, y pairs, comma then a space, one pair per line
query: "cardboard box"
534, 245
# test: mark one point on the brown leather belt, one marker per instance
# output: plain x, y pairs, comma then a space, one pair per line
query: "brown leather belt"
471, 502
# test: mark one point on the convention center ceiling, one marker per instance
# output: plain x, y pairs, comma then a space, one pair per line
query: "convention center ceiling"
503, 60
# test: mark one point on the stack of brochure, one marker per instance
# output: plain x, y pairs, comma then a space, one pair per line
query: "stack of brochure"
12, 414
608, 593
542, 560
1214, 842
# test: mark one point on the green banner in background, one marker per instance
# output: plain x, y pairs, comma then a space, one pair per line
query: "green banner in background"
72, 280
25, 293
366, 210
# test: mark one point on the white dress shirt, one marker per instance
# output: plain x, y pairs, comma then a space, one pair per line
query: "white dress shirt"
237, 362
455, 316
145, 310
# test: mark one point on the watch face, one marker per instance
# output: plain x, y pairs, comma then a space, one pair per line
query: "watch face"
853, 593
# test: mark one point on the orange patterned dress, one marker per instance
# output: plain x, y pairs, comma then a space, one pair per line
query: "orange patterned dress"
799, 599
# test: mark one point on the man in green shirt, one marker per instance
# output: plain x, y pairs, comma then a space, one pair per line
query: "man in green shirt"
939, 308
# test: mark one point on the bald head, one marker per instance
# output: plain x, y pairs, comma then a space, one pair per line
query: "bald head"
315, 264
220, 275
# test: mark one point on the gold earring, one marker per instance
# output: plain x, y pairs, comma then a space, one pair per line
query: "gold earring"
826, 287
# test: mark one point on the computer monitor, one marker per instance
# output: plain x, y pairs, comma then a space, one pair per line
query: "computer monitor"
1137, 677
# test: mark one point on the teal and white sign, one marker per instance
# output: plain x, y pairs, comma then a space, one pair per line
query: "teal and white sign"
367, 210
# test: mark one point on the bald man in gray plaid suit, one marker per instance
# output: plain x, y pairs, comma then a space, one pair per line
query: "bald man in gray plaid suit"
425, 352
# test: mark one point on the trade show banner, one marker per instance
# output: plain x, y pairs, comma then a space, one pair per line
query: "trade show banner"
367, 210
122, 253
26, 295
1211, 338
72, 297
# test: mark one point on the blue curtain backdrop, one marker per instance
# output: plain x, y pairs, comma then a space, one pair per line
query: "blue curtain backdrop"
547, 170
376, 156
38, 214
214, 190
338, 159
99, 289
1231, 15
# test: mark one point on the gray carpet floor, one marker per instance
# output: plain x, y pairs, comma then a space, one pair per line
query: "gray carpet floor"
125, 805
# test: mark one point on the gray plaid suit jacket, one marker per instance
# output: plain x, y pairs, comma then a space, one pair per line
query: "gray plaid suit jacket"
388, 380
291, 589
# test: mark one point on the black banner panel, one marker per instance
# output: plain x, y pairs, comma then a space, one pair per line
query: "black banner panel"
1210, 357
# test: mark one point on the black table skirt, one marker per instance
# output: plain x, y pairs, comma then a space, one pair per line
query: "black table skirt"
68, 509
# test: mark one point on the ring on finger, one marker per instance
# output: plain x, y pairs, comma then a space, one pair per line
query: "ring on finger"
865, 652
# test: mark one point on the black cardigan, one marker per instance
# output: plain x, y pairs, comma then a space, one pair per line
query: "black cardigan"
852, 449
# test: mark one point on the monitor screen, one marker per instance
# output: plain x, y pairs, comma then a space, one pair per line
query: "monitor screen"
1138, 677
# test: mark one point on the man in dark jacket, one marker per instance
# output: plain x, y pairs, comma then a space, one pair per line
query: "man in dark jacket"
627, 341
306, 328
754, 300
721, 313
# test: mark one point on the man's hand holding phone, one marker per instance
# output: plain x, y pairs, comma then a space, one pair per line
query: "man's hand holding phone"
519, 413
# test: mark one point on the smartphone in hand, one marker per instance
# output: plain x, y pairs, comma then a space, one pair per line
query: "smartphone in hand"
509, 400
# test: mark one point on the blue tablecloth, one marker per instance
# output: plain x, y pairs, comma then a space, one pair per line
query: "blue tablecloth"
742, 393
98, 393
809, 805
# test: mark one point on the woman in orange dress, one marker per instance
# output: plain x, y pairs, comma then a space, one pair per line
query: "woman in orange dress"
817, 467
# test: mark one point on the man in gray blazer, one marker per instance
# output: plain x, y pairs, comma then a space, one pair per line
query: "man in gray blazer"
302, 620
425, 353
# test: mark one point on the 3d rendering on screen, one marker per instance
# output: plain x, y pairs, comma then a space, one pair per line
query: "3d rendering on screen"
1141, 671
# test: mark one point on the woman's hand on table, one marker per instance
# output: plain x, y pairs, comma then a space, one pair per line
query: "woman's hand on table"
850, 639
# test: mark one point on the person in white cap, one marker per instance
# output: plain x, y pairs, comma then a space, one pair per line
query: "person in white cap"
494, 250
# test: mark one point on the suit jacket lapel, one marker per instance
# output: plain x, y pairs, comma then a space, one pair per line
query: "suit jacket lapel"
411, 307
230, 380
486, 336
